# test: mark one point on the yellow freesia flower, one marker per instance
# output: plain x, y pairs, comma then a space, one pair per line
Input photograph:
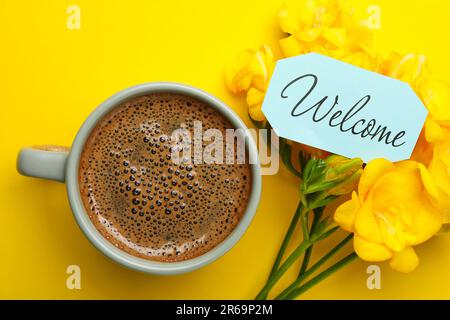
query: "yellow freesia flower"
327, 27
439, 168
411, 68
436, 156
393, 210
435, 94
433, 150
433, 146
250, 73
237, 75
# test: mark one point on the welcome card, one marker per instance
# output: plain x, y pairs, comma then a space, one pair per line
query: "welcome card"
335, 106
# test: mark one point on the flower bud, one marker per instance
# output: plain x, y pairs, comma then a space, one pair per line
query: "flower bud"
340, 167
347, 185
324, 180
335, 173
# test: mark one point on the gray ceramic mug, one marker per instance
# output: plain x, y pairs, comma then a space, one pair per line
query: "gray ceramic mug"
61, 164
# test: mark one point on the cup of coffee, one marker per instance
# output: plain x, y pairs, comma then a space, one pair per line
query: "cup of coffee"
149, 180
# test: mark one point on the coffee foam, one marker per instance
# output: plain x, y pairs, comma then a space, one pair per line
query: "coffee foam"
144, 203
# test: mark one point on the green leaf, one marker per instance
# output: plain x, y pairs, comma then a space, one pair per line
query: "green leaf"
303, 158
321, 226
320, 186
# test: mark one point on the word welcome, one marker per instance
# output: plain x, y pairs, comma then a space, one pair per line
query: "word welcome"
346, 122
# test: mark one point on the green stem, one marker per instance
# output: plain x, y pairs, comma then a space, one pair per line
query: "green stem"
305, 231
314, 268
322, 276
307, 257
324, 235
286, 239
282, 270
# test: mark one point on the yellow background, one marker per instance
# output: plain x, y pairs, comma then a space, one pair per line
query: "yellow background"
51, 78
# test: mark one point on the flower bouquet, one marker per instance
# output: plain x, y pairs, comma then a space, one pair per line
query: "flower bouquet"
388, 207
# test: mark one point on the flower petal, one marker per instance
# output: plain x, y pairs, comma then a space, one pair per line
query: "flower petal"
397, 187
268, 58
440, 173
427, 222
363, 60
433, 132
404, 261
372, 172
366, 223
258, 69
392, 225
428, 183
436, 96
346, 213
254, 97
237, 77
409, 68
256, 113
369, 251
336, 36
309, 35
291, 46
288, 20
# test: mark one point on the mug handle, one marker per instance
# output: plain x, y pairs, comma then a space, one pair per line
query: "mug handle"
46, 161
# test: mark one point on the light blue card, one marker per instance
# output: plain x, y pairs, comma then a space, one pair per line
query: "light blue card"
334, 106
